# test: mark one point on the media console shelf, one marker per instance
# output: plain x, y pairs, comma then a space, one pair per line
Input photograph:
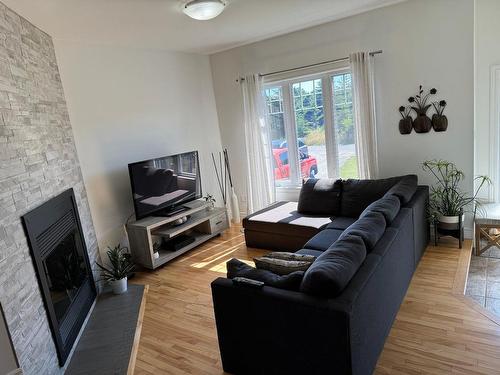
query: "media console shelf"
146, 235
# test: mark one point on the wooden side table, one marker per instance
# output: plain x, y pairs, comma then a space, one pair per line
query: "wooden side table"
483, 229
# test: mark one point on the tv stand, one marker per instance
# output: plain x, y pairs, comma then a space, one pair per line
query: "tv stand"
203, 224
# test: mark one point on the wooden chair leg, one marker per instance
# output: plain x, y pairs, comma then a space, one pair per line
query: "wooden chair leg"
477, 236
460, 231
460, 238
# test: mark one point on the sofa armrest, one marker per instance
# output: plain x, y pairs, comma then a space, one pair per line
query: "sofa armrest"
421, 231
274, 331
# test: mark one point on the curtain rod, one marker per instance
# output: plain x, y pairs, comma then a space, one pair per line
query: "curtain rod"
308, 66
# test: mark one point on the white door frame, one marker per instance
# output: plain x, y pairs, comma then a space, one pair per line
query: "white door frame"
494, 132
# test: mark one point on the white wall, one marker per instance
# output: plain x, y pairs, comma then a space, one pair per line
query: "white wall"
128, 105
487, 56
427, 42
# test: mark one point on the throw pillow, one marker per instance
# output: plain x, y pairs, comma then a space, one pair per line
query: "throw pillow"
236, 268
280, 266
290, 256
320, 197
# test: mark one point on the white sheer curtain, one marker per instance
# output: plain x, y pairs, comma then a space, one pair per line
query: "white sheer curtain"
260, 182
363, 90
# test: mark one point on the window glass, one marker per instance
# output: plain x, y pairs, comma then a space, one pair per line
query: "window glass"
284, 157
276, 121
344, 125
310, 128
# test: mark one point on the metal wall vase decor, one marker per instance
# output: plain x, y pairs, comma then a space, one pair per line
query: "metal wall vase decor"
419, 104
406, 122
439, 121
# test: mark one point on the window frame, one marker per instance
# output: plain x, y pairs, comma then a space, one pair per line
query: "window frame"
290, 126
493, 190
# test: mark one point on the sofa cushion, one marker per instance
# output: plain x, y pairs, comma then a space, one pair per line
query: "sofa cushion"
369, 228
324, 239
341, 222
283, 218
388, 206
405, 188
320, 197
335, 267
236, 268
358, 194
281, 266
312, 252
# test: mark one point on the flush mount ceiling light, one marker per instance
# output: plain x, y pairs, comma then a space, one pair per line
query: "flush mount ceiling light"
204, 9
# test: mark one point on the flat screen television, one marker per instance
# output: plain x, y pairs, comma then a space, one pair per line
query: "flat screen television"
161, 186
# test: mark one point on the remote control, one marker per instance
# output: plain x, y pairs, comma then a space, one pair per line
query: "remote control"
248, 282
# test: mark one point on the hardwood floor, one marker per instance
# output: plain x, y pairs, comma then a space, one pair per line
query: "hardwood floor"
437, 330
178, 332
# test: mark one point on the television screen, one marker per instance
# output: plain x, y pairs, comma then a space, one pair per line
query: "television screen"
162, 184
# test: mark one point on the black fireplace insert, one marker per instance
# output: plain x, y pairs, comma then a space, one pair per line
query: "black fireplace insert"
63, 268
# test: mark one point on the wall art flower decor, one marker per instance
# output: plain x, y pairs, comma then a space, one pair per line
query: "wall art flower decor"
406, 122
420, 104
439, 121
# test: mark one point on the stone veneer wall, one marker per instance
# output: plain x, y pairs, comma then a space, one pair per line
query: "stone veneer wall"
38, 160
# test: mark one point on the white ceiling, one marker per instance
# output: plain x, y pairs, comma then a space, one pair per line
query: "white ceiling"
160, 24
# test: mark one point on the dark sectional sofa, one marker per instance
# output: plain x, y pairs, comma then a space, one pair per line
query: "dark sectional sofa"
368, 237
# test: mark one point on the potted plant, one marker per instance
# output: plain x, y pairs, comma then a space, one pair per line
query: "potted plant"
439, 121
406, 122
120, 267
210, 200
422, 123
447, 202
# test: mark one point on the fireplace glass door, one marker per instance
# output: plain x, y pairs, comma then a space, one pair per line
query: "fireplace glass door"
66, 271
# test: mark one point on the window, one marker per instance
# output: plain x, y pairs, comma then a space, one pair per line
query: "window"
344, 125
310, 127
312, 118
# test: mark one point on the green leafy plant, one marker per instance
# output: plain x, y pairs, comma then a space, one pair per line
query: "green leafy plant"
120, 264
315, 137
446, 197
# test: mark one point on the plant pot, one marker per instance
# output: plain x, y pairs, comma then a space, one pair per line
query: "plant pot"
450, 222
406, 125
439, 122
422, 124
119, 286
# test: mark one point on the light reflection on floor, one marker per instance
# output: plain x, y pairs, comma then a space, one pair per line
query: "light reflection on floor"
216, 262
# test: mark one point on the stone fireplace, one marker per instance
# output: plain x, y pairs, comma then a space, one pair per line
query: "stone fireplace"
38, 161
62, 266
